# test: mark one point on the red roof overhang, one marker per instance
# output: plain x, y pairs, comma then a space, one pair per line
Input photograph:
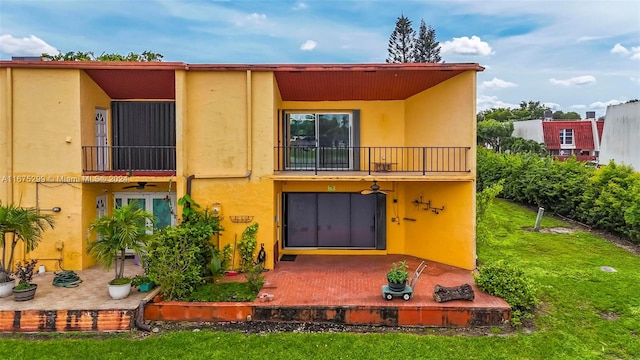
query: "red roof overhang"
295, 82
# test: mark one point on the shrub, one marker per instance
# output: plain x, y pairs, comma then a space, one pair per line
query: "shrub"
255, 279
247, 245
484, 199
510, 283
174, 262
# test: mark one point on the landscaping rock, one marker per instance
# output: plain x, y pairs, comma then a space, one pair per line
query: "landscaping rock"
462, 292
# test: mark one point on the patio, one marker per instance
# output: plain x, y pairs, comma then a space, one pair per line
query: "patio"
312, 288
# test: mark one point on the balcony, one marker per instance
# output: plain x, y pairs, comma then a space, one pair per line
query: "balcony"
129, 160
365, 159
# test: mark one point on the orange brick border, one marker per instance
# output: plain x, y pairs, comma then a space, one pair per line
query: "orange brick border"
66, 320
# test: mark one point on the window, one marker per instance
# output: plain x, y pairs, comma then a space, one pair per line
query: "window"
566, 136
321, 140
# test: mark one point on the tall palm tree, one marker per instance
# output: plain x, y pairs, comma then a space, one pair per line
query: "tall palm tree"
20, 224
124, 229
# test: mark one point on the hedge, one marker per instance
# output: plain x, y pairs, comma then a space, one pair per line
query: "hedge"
606, 198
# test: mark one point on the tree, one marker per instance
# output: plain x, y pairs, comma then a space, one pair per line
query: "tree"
427, 49
572, 115
124, 229
527, 110
492, 133
26, 224
401, 42
146, 56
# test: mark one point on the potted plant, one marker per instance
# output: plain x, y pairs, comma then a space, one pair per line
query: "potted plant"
18, 224
143, 283
126, 228
398, 275
25, 290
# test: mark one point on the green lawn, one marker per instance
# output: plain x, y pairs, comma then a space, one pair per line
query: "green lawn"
585, 314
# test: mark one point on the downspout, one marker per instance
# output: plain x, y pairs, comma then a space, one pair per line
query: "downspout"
249, 116
9, 135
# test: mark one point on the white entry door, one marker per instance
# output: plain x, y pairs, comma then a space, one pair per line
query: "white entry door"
102, 141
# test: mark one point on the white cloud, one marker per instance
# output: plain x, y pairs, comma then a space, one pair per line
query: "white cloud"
619, 49
484, 102
496, 83
300, 6
31, 46
552, 105
578, 107
590, 38
308, 45
466, 46
603, 105
576, 80
257, 17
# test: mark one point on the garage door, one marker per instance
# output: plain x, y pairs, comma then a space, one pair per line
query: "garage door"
334, 220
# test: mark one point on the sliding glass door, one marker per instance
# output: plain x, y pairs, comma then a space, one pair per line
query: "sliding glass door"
319, 141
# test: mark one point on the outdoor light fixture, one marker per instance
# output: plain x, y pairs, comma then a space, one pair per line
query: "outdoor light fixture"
56, 209
427, 205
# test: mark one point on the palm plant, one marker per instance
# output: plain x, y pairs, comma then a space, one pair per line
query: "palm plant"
125, 228
19, 224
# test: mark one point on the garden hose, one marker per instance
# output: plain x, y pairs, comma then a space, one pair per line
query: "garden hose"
66, 278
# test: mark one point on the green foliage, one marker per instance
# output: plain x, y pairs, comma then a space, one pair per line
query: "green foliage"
220, 261
120, 281
516, 145
139, 280
189, 207
247, 245
399, 272
255, 279
180, 256
401, 42
510, 283
427, 49
571, 115
19, 224
606, 198
491, 133
224, 292
484, 199
174, 262
125, 228
527, 110
146, 56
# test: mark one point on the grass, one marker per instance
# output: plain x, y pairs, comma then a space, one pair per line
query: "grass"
231, 291
585, 314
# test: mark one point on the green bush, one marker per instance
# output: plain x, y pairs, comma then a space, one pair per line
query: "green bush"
605, 198
484, 199
247, 245
510, 283
255, 279
174, 262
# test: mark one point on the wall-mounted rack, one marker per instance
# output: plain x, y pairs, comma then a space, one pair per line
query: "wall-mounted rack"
426, 205
241, 218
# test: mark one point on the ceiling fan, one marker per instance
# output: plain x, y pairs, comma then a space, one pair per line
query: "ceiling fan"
141, 185
374, 189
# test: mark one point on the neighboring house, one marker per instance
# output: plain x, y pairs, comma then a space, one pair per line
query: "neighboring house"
290, 147
564, 138
621, 137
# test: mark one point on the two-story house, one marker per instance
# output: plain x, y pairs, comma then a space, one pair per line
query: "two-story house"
328, 159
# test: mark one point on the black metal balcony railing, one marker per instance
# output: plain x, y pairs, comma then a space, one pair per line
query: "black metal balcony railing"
368, 159
128, 158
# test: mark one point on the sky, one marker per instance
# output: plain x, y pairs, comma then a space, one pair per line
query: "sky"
571, 55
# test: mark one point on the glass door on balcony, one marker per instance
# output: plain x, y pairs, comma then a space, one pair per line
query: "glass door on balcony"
319, 140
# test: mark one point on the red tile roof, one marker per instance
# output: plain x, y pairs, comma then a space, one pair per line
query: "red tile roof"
582, 133
600, 125
296, 82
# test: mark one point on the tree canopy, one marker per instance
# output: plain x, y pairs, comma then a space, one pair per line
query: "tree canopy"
527, 110
572, 115
146, 56
427, 49
405, 47
401, 42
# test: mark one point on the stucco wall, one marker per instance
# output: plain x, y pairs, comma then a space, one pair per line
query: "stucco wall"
621, 135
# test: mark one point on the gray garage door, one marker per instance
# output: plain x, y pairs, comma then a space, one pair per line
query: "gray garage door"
334, 220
